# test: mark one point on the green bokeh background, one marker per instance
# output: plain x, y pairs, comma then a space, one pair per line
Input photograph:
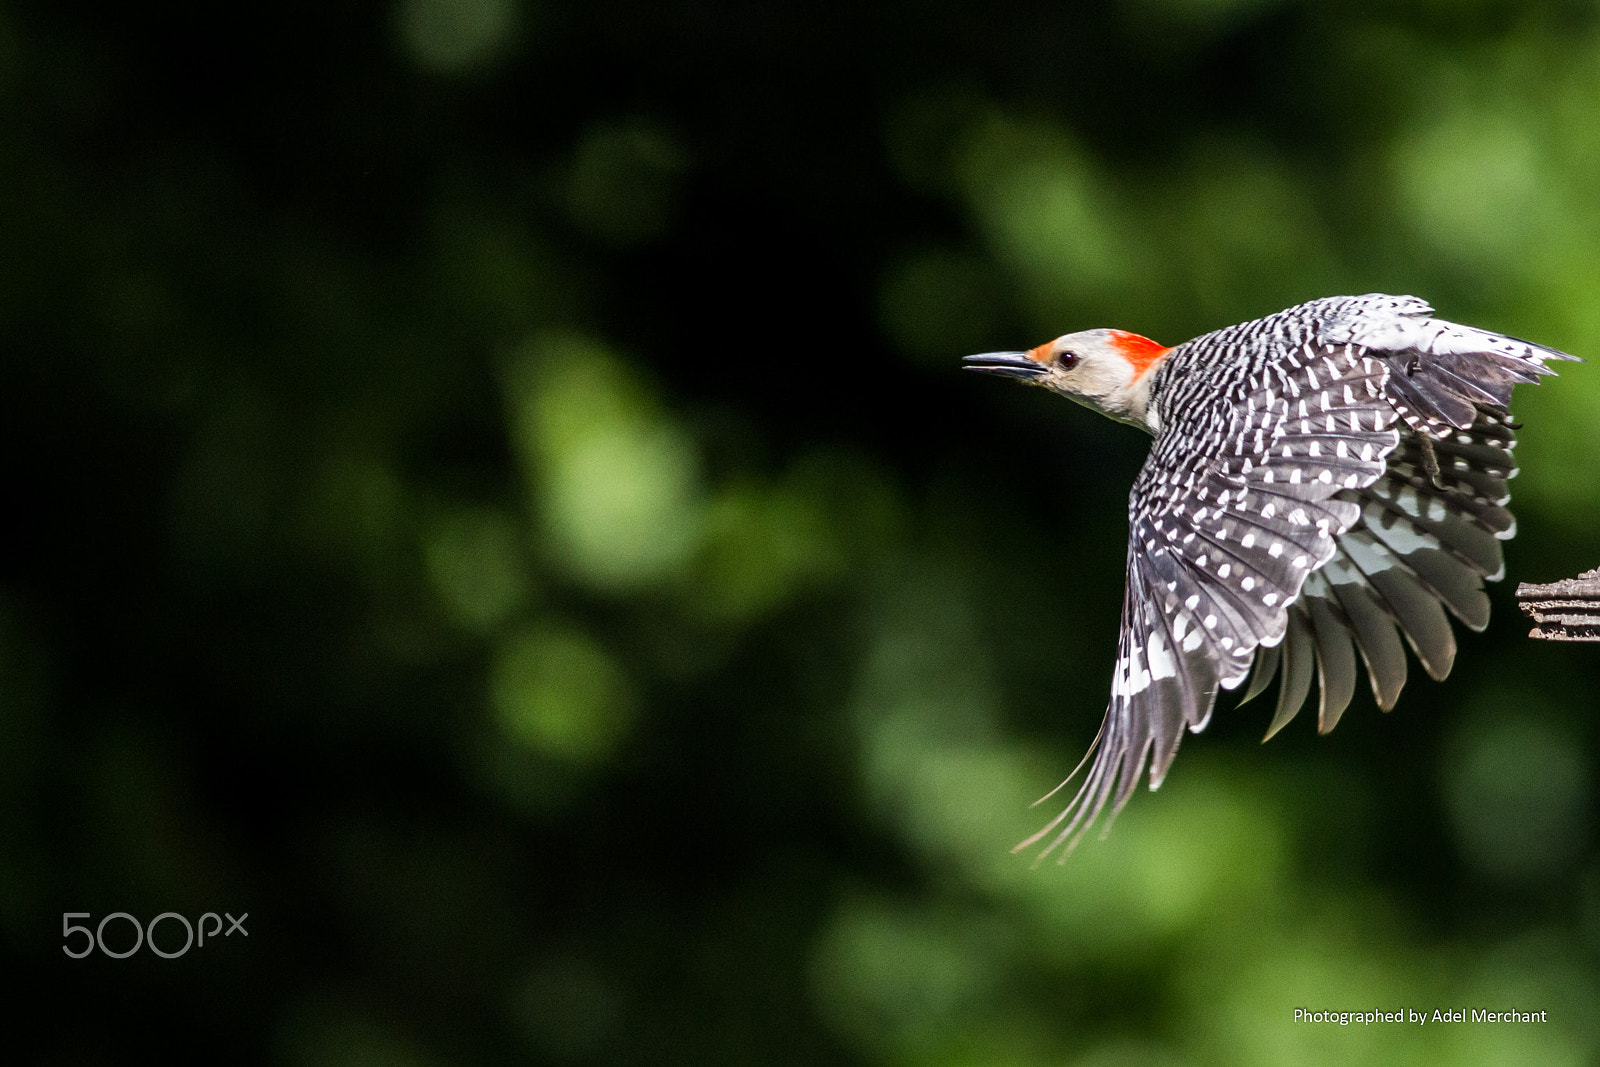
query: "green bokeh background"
496, 501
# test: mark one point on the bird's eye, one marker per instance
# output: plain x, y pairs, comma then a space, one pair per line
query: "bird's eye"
1066, 359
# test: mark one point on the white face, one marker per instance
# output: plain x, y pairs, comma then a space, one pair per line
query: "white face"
1085, 367
1106, 370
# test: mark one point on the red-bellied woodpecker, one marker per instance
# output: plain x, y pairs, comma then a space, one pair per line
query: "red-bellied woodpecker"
1320, 479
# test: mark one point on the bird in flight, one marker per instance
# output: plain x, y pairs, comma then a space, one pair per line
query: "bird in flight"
1324, 482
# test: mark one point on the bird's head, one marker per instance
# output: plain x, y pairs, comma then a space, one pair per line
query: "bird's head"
1107, 370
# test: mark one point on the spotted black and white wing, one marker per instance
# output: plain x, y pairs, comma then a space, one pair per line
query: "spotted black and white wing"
1331, 481
1236, 506
1430, 533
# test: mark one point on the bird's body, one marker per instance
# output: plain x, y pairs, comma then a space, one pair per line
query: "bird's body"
1323, 484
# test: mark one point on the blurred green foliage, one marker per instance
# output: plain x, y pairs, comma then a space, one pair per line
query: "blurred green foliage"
497, 503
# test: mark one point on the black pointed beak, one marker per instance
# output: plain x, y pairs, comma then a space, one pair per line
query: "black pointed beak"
1011, 364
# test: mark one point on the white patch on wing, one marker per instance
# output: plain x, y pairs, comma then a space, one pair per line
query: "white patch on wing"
1367, 556
1138, 677
1405, 538
1162, 663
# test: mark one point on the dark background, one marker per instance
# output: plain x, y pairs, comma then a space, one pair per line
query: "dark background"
493, 498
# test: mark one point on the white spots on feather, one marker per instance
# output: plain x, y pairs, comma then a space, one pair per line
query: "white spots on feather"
1201, 562
1276, 550
1247, 541
1138, 677
1130, 678
1341, 450
1224, 570
1192, 642
1355, 421
1210, 621
1311, 376
1248, 583
1226, 643
1297, 517
1315, 449
1301, 561
1330, 426
1270, 599
1349, 397
1192, 602
1436, 509
1366, 453
1162, 664
1351, 481
1326, 476
1268, 510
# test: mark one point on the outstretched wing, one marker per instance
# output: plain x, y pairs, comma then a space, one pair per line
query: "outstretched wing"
1230, 514
1430, 532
